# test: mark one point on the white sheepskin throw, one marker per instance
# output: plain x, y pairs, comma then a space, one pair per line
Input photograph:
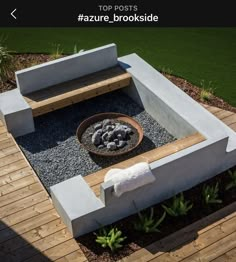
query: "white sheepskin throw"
129, 178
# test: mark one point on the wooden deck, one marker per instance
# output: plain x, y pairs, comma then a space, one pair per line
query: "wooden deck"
31, 229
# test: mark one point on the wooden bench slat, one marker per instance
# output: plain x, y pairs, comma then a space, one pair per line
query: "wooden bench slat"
79, 95
94, 180
74, 84
77, 90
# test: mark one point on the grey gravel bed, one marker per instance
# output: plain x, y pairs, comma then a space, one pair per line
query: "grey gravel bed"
53, 149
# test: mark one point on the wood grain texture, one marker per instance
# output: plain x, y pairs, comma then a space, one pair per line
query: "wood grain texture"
29, 225
94, 180
77, 90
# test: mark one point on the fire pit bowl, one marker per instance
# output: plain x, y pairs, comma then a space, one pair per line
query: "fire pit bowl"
91, 121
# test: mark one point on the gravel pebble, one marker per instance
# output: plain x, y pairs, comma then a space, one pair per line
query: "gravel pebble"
53, 149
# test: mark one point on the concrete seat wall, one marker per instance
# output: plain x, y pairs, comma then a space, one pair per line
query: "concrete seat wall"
67, 68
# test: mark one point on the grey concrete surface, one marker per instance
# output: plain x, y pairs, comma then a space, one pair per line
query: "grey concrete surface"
174, 109
16, 113
67, 68
66, 198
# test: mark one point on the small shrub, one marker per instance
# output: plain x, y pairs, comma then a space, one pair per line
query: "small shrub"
111, 238
207, 91
179, 206
6, 65
231, 184
57, 53
147, 223
210, 194
205, 95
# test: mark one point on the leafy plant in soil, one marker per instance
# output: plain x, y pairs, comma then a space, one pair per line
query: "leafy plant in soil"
6, 65
211, 194
111, 238
179, 206
232, 183
207, 91
147, 223
57, 53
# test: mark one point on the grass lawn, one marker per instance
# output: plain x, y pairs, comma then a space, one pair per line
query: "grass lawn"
195, 54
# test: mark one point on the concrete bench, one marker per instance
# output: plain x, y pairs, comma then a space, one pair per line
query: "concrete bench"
59, 83
16, 113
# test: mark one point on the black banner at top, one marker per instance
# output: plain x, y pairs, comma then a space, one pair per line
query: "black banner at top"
117, 13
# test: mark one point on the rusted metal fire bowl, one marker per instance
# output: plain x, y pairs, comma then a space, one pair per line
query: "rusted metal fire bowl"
99, 117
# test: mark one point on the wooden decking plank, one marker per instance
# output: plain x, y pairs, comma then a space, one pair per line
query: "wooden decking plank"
223, 114
58, 252
20, 194
6, 143
22, 204
230, 120
214, 109
233, 126
229, 256
20, 183
8, 178
13, 167
8, 151
28, 225
4, 136
26, 214
42, 245
204, 105
10, 159
215, 250
33, 235
183, 236
202, 241
75, 256
3, 130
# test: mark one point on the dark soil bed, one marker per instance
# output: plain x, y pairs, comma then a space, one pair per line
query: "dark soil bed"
136, 240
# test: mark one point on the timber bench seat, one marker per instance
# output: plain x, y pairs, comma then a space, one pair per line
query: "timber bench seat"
77, 90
